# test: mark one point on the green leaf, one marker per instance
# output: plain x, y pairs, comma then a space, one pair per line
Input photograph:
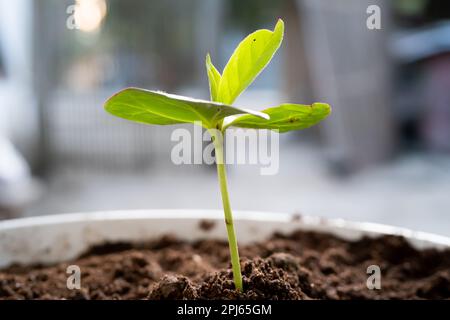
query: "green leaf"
248, 60
286, 117
213, 78
153, 107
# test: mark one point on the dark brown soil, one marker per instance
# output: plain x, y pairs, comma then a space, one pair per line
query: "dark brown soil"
302, 265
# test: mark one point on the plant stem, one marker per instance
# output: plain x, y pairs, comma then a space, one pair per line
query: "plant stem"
232, 242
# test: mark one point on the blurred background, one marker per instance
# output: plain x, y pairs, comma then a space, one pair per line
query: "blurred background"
382, 156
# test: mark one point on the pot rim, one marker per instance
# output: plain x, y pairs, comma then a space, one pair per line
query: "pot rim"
316, 223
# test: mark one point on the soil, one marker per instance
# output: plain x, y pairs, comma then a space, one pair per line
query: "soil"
302, 265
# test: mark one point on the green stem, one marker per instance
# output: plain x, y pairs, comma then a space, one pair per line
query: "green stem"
232, 242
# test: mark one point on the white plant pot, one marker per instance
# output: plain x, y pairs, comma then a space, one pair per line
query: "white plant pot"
55, 238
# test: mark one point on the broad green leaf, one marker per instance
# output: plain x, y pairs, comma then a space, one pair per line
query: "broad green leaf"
152, 107
285, 117
248, 60
213, 78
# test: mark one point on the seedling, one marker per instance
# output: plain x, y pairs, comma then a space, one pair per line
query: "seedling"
247, 61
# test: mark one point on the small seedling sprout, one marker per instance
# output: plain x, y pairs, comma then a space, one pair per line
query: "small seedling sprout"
250, 57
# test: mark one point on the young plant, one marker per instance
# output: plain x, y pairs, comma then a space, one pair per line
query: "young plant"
247, 61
